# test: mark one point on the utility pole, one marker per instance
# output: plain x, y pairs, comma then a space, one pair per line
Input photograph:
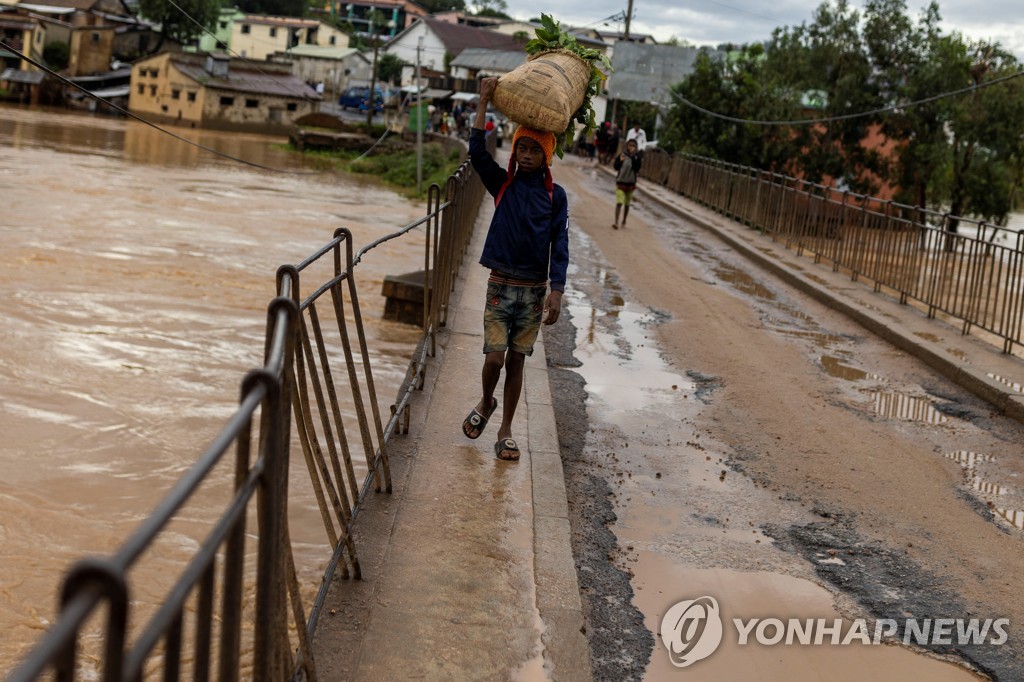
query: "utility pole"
371, 106
419, 121
625, 36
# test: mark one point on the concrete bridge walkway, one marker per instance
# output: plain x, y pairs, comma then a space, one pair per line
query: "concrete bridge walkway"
467, 568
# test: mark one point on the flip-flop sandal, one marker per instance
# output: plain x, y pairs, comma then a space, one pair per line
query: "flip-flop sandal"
506, 445
475, 420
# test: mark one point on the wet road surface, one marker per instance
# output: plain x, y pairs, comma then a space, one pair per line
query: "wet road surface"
741, 440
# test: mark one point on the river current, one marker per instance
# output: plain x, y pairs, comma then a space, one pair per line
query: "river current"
136, 274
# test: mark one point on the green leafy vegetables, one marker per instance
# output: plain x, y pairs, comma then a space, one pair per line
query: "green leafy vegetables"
551, 36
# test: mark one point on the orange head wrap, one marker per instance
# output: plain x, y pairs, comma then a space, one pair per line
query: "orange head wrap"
546, 140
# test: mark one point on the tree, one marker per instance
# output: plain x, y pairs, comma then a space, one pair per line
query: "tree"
183, 25
389, 68
491, 8
435, 6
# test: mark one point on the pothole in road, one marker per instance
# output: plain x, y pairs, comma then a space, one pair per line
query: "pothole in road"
744, 282
978, 474
895, 405
834, 367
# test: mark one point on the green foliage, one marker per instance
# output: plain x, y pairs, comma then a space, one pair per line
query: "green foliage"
550, 36
399, 169
389, 68
961, 154
57, 55
180, 25
434, 6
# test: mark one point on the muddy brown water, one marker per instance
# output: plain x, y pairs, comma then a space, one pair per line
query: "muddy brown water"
136, 274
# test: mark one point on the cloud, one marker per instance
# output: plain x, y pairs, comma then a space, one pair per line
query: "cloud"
711, 22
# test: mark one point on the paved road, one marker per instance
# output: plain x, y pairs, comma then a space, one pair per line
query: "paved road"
724, 433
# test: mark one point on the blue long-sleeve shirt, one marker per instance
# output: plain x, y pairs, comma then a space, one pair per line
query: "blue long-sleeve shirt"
529, 233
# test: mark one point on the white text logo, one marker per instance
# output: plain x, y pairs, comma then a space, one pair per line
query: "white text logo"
691, 630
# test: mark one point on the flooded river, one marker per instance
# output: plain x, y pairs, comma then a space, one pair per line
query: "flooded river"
136, 274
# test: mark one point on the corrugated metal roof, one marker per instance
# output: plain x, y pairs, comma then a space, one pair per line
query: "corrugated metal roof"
278, 21
498, 60
321, 51
240, 80
18, 76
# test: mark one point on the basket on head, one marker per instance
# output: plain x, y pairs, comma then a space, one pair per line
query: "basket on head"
544, 92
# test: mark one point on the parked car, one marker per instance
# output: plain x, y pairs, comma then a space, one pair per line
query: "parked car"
358, 97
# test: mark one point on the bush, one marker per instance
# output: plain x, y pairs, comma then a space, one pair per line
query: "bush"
400, 169
57, 56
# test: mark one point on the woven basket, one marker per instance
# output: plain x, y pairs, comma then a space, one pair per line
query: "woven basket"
544, 92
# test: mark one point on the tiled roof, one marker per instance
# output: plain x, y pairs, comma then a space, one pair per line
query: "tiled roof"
457, 38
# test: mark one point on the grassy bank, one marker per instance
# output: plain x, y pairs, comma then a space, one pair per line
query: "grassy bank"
393, 160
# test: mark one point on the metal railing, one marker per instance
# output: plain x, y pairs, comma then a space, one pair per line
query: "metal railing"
229, 614
958, 266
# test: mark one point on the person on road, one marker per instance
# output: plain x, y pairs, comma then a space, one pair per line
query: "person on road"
627, 167
527, 248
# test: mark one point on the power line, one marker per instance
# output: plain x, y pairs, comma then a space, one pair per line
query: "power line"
846, 117
128, 113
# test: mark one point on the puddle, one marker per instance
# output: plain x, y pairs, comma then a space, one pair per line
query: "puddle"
798, 314
968, 459
1014, 517
835, 368
905, 407
1013, 385
928, 336
744, 282
763, 595
956, 352
819, 338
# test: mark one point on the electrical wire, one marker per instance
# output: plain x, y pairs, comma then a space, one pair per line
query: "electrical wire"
846, 117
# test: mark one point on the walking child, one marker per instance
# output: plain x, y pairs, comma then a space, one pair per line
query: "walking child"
627, 167
527, 248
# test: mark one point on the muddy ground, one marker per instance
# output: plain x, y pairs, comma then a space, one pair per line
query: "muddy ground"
719, 429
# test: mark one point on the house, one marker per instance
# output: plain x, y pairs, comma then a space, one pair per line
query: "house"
335, 67
24, 36
399, 15
214, 91
256, 36
442, 42
464, 19
221, 38
95, 30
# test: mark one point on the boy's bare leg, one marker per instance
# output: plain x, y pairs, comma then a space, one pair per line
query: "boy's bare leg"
489, 376
514, 364
617, 208
625, 214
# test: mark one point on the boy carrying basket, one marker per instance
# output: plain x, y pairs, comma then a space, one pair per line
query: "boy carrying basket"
527, 247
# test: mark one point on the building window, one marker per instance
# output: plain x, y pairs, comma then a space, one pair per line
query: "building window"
155, 73
251, 103
95, 37
191, 96
163, 108
245, 28
152, 91
333, 40
227, 101
223, 25
175, 94
292, 106
142, 89
273, 31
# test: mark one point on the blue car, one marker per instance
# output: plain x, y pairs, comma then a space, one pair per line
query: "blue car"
359, 98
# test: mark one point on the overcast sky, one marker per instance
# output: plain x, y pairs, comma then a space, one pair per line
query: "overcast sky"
711, 22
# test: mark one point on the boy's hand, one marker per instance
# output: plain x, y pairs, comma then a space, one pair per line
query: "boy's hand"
487, 86
552, 307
